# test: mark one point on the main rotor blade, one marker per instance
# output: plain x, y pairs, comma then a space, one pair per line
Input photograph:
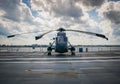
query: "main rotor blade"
90, 33
40, 36
10, 36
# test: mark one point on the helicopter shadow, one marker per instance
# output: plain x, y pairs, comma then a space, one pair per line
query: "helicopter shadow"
59, 55
63, 55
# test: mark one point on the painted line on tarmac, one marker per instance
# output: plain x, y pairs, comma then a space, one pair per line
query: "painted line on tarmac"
40, 70
73, 61
91, 68
51, 70
69, 58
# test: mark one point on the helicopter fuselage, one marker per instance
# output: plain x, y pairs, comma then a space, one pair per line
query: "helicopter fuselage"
61, 43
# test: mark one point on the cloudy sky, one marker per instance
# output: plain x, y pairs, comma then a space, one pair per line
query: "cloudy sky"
100, 16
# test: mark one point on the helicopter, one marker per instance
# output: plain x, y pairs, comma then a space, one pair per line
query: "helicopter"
62, 45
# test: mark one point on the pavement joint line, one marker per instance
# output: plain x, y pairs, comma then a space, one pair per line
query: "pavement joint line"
111, 60
91, 68
69, 58
41, 70
49, 70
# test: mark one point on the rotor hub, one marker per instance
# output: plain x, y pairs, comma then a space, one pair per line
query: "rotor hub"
61, 29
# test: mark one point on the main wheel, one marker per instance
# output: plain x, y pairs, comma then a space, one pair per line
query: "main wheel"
49, 53
73, 53
72, 49
49, 49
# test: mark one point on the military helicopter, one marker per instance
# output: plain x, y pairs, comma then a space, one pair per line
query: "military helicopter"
62, 45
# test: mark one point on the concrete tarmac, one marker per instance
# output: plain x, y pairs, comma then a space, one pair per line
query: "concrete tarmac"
38, 68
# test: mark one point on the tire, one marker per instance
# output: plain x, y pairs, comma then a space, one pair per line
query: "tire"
73, 53
49, 53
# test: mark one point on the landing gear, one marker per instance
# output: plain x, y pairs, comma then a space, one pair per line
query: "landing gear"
49, 49
49, 53
72, 51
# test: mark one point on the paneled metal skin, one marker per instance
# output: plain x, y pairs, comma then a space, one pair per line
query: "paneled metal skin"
61, 45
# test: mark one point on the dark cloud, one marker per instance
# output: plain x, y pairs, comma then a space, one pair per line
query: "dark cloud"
111, 11
15, 10
93, 3
11, 9
113, 16
60, 8
66, 9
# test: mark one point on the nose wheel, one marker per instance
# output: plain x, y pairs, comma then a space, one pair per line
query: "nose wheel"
72, 51
49, 49
49, 53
